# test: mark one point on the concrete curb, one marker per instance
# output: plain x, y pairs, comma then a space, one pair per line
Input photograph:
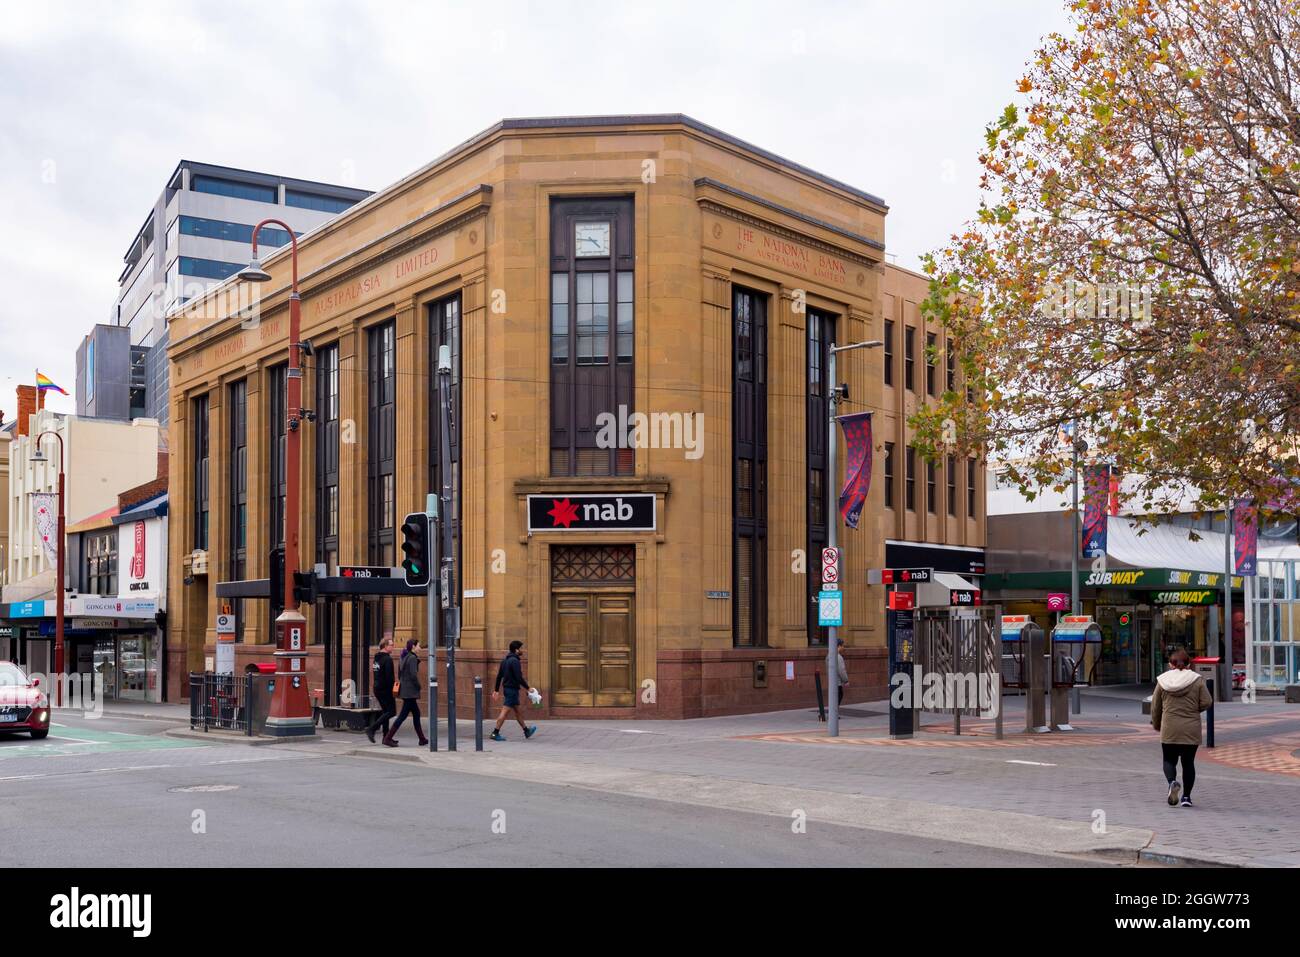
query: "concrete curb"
1001, 829
313, 742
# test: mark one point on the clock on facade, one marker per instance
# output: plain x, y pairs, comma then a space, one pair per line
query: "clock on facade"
591, 239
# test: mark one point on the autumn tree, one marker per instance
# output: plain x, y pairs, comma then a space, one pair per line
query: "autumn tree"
1136, 262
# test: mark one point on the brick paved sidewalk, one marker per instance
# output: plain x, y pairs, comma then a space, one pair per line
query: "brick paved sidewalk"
1247, 791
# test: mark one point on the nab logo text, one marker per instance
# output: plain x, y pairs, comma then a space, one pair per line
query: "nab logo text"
102, 910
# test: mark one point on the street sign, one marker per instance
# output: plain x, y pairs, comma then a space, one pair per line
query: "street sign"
830, 609
830, 564
225, 624
903, 576
365, 571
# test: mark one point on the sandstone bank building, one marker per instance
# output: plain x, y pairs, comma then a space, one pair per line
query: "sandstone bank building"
582, 271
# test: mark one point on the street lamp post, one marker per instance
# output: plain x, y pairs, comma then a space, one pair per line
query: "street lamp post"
61, 551
832, 526
290, 712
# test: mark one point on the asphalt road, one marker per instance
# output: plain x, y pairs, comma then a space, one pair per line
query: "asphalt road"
111, 792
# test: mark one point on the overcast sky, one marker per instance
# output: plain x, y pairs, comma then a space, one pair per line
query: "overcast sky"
96, 110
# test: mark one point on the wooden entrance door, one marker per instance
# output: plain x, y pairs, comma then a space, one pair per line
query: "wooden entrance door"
595, 648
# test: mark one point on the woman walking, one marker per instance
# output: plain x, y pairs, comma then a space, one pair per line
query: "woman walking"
408, 689
1176, 707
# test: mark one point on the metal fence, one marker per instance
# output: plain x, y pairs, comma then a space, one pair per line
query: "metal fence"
962, 649
223, 702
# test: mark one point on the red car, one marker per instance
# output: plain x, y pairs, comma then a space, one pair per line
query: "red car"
23, 705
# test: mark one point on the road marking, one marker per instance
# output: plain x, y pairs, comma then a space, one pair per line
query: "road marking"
1037, 764
638, 731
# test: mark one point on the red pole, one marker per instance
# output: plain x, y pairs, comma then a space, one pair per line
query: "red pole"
58, 610
291, 712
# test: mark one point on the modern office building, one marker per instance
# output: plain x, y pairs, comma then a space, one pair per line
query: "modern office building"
197, 233
583, 272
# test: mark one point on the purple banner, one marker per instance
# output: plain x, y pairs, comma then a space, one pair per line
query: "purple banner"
857, 468
1245, 536
1096, 496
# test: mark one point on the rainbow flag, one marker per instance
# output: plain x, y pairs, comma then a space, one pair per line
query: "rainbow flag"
45, 382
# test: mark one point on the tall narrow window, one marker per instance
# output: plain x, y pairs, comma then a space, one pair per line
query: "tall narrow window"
952, 485
382, 458
931, 487
201, 482
821, 336
970, 488
909, 479
749, 442
951, 370
931, 362
237, 403
909, 359
279, 436
381, 461
592, 326
889, 474
444, 330
889, 352
327, 457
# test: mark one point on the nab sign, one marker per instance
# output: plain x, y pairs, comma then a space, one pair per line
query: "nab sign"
591, 513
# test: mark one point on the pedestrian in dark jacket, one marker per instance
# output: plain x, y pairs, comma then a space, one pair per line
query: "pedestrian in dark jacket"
408, 678
381, 684
510, 676
1176, 706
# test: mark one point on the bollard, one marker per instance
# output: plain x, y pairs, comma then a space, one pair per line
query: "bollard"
478, 713
1209, 715
433, 714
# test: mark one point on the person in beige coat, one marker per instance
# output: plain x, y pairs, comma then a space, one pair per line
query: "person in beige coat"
1176, 707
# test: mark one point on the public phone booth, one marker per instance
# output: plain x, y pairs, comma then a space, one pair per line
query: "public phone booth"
1024, 648
1070, 640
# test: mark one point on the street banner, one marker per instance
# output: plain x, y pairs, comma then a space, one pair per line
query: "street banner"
1245, 537
857, 467
46, 505
1096, 499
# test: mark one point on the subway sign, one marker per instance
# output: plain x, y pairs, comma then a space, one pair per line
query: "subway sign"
591, 513
1201, 597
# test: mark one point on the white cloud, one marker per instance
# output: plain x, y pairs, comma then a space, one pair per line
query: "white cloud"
891, 97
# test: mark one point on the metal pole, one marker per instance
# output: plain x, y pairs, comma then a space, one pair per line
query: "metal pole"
1225, 641
478, 713
431, 627
58, 610
451, 595
832, 526
1077, 544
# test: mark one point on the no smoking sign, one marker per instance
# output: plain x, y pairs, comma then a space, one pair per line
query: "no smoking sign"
830, 565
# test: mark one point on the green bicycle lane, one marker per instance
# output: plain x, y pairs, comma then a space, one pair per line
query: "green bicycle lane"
65, 740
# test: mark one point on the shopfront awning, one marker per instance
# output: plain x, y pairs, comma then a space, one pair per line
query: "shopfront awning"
1162, 546
939, 591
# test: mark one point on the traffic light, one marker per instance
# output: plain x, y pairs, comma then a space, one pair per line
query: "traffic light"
415, 546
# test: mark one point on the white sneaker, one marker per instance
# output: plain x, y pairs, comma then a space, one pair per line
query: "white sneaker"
1174, 789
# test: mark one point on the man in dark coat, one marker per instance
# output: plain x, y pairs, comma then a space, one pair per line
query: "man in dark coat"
510, 676
381, 683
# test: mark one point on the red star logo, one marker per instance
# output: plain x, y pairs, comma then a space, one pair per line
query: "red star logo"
564, 513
